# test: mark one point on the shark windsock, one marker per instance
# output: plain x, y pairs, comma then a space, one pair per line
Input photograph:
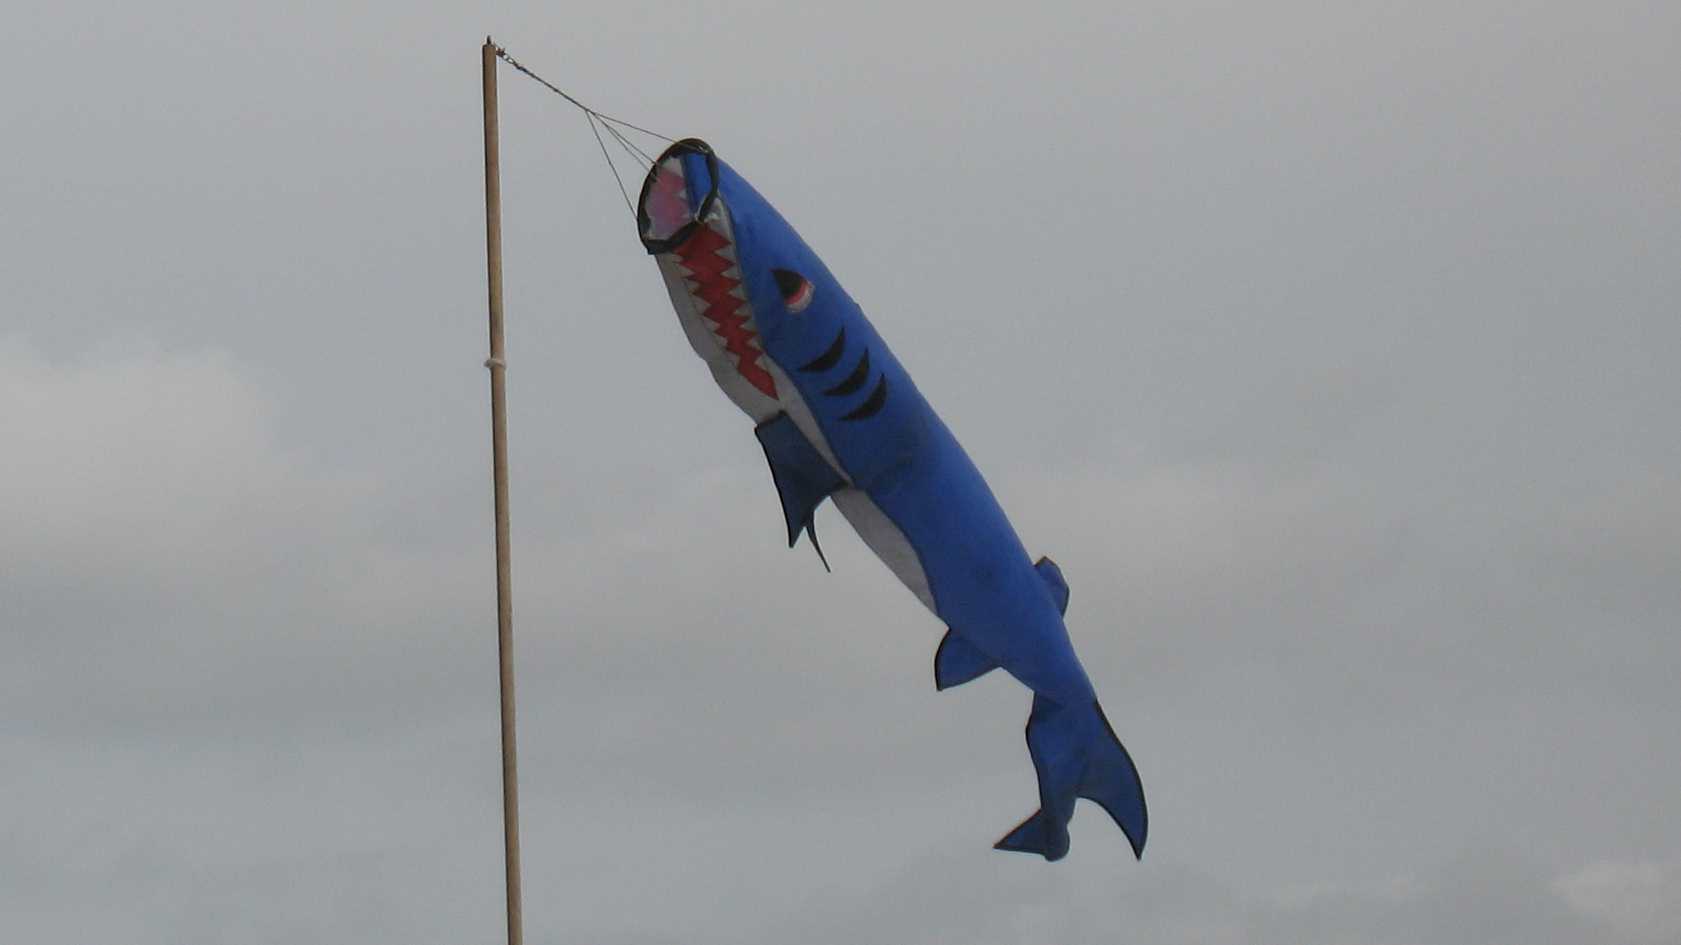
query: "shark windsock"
839, 419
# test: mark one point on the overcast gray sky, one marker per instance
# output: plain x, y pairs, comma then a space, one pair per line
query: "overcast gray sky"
1329, 348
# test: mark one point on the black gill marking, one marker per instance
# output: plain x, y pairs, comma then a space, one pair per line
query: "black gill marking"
855, 380
829, 358
872, 406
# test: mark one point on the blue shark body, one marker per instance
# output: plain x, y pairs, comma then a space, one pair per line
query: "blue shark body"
840, 418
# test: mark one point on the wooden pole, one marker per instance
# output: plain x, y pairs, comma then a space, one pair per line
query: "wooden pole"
499, 464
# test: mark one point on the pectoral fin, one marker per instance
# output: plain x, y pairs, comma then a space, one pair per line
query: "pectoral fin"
803, 477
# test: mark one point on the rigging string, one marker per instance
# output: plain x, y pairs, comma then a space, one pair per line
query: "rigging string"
610, 165
598, 122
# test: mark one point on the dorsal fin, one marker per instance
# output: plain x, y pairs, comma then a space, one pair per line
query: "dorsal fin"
1052, 576
803, 477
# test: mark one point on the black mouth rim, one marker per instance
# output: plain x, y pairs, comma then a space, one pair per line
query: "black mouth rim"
677, 148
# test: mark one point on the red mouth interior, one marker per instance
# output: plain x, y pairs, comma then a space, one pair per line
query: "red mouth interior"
702, 257
667, 202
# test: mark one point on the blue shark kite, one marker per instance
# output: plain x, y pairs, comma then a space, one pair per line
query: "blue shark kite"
839, 418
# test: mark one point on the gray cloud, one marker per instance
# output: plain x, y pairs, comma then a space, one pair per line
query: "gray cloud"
1328, 351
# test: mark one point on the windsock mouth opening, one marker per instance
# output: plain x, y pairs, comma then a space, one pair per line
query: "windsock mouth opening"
676, 195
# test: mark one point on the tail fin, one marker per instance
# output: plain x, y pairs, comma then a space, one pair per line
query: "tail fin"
1076, 754
1037, 834
1112, 781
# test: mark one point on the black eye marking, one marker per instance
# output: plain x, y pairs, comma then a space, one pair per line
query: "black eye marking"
829, 358
796, 289
872, 406
855, 380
